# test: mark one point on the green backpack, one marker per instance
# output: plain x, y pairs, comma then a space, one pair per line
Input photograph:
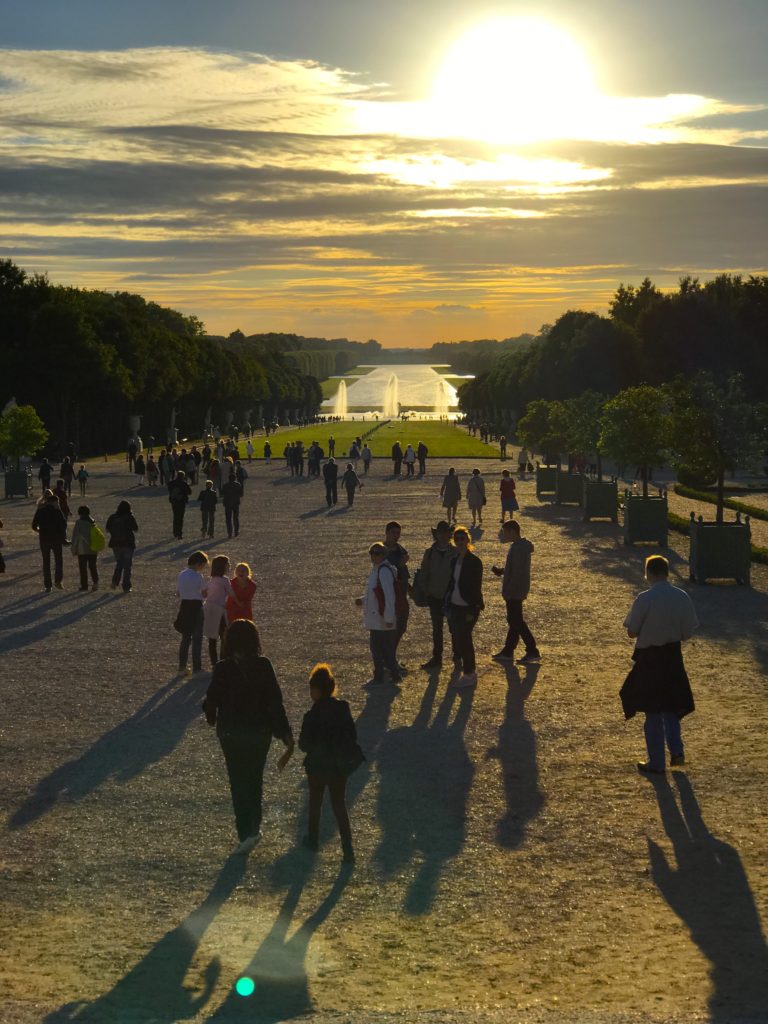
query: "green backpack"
97, 540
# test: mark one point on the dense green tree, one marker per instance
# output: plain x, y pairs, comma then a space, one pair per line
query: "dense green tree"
635, 428
22, 432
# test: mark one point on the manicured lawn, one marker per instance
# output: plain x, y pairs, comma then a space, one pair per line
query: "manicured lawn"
442, 440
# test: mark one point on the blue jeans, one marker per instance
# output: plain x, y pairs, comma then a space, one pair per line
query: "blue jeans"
195, 640
658, 726
123, 566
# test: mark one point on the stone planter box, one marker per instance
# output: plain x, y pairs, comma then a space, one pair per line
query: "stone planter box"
720, 550
600, 500
568, 488
645, 519
18, 483
546, 481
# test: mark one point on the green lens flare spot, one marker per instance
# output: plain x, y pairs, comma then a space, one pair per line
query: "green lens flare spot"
245, 986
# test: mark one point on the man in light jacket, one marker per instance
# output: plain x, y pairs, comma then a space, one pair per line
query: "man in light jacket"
514, 589
378, 606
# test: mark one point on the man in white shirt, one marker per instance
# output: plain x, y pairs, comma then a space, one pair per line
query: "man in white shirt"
659, 620
379, 618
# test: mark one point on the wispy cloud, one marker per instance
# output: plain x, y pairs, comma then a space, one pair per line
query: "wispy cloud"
288, 195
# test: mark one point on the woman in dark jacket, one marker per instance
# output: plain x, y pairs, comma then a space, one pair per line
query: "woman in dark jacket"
245, 704
122, 528
329, 739
464, 602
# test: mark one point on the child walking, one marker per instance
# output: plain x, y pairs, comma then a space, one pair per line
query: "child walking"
509, 503
82, 479
214, 618
329, 739
239, 605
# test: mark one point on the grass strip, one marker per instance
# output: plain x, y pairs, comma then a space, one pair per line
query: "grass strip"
737, 506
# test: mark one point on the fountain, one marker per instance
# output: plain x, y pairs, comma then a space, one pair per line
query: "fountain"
340, 401
442, 397
391, 406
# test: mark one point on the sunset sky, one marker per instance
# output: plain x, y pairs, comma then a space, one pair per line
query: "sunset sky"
412, 171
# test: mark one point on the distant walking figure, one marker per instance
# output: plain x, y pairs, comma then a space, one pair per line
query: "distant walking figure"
50, 525
410, 460
331, 477
509, 503
329, 739
421, 454
366, 455
231, 494
122, 529
82, 547
179, 493
191, 589
397, 458
245, 704
82, 479
476, 496
514, 589
450, 492
350, 482
465, 602
208, 499
659, 620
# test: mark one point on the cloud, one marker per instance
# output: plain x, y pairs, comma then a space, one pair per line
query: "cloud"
252, 191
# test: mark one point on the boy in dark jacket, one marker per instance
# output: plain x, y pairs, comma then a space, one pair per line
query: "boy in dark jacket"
329, 739
51, 527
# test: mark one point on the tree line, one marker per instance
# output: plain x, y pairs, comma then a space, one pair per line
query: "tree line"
87, 360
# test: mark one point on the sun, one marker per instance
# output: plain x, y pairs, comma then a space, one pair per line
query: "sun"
513, 80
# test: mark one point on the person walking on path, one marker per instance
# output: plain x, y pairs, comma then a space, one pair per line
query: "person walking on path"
450, 492
378, 604
44, 475
241, 474
464, 599
82, 479
366, 455
240, 602
515, 588
658, 621
208, 499
218, 592
329, 739
398, 557
231, 495
397, 458
245, 704
60, 494
191, 590
249, 450
421, 454
179, 493
122, 529
267, 452
67, 473
131, 453
435, 575
410, 460
476, 496
152, 472
331, 477
503, 448
331, 446
81, 544
350, 482
522, 462
139, 469
508, 496
50, 526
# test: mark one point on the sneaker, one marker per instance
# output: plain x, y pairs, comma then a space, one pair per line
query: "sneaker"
502, 656
467, 679
645, 768
433, 663
59, 586
676, 760
529, 659
374, 681
247, 845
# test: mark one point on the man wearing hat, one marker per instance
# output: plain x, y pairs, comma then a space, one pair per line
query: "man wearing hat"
434, 577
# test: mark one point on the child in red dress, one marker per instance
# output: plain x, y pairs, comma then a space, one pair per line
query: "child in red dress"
239, 605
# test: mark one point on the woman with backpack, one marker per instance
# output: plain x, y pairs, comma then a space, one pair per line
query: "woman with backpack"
86, 542
122, 528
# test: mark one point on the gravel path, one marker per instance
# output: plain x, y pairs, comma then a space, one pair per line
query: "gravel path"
512, 866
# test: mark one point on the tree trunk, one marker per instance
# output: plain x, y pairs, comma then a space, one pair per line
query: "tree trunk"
599, 468
720, 494
645, 481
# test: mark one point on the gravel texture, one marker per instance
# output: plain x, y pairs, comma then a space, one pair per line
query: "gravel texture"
512, 865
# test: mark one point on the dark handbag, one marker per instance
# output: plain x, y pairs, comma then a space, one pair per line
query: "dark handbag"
350, 760
418, 590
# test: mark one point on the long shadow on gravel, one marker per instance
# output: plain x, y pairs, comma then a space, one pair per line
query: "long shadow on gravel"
278, 968
121, 754
516, 752
153, 992
41, 626
709, 892
425, 777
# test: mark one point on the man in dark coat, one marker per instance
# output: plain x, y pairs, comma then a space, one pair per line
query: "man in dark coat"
179, 493
51, 527
231, 496
397, 458
330, 476
659, 620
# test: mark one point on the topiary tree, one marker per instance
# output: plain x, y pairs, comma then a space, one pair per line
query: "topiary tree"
715, 429
21, 432
543, 427
635, 428
582, 425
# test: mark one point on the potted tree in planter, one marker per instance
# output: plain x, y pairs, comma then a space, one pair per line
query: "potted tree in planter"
715, 430
21, 433
599, 498
541, 429
635, 430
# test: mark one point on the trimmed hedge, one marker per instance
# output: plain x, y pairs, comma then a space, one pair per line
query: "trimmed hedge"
737, 506
682, 525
